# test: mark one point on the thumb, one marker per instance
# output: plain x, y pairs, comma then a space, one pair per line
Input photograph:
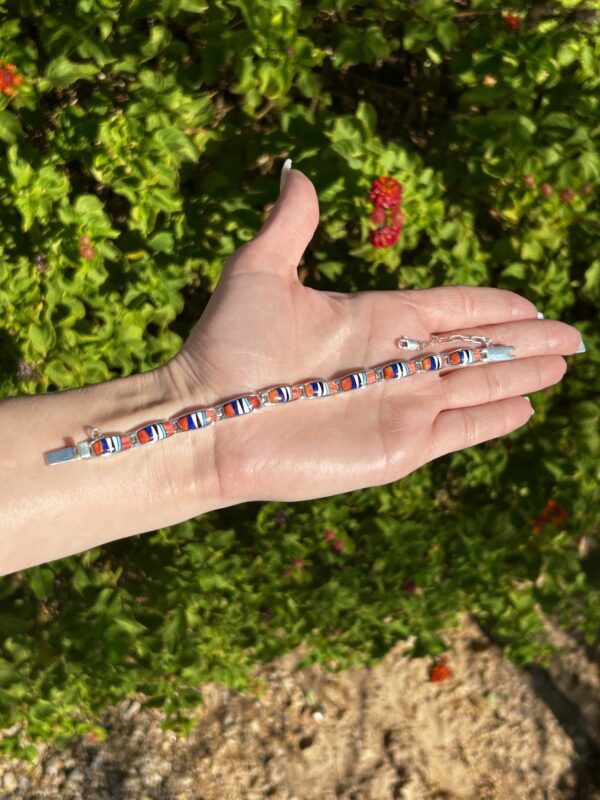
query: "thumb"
285, 235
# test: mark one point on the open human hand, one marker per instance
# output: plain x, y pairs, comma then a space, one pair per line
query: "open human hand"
263, 328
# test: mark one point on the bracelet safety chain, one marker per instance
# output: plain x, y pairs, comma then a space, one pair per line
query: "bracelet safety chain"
100, 445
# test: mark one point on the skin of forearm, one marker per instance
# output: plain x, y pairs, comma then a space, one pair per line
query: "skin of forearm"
49, 512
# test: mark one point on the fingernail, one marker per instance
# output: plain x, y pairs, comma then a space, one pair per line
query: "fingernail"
581, 348
285, 171
540, 315
532, 408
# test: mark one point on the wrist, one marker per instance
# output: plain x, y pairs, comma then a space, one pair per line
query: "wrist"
184, 474
49, 512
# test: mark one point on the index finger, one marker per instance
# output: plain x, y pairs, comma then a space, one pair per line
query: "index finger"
447, 308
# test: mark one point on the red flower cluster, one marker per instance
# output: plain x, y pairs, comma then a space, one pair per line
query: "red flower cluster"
9, 78
337, 544
512, 21
553, 513
440, 671
566, 196
386, 192
386, 196
86, 249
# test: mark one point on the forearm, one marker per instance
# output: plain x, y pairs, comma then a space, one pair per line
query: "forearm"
48, 512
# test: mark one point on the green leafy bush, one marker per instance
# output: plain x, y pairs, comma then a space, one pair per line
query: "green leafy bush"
141, 149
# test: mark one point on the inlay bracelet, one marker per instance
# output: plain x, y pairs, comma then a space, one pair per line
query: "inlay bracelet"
100, 444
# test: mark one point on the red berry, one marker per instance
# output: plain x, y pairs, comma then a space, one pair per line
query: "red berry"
86, 249
529, 181
546, 189
586, 190
329, 534
338, 545
566, 196
512, 21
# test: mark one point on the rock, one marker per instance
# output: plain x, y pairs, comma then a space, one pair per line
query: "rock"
10, 782
53, 767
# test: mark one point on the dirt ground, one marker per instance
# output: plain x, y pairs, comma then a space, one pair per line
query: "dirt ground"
491, 731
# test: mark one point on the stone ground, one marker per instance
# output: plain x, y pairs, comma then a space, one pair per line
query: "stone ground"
490, 732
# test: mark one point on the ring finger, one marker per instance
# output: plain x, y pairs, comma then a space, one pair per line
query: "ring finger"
473, 386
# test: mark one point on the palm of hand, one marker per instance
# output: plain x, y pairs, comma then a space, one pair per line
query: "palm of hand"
266, 331
263, 328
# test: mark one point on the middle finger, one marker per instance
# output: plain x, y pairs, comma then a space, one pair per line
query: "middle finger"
528, 337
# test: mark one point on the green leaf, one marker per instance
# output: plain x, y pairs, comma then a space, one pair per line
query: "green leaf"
558, 119
518, 271
532, 250
591, 288
416, 32
92, 217
41, 580
195, 6
527, 124
59, 374
9, 674
80, 580
308, 83
176, 144
42, 337
30, 753
162, 242
434, 54
331, 269
447, 33
42, 710
347, 137
366, 113
160, 36
567, 54
19, 168
61, 72
129, 625
590, 164
10, 127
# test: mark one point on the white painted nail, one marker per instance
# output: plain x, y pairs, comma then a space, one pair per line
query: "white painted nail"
532, 408
285, 171
540, 315
581, 348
